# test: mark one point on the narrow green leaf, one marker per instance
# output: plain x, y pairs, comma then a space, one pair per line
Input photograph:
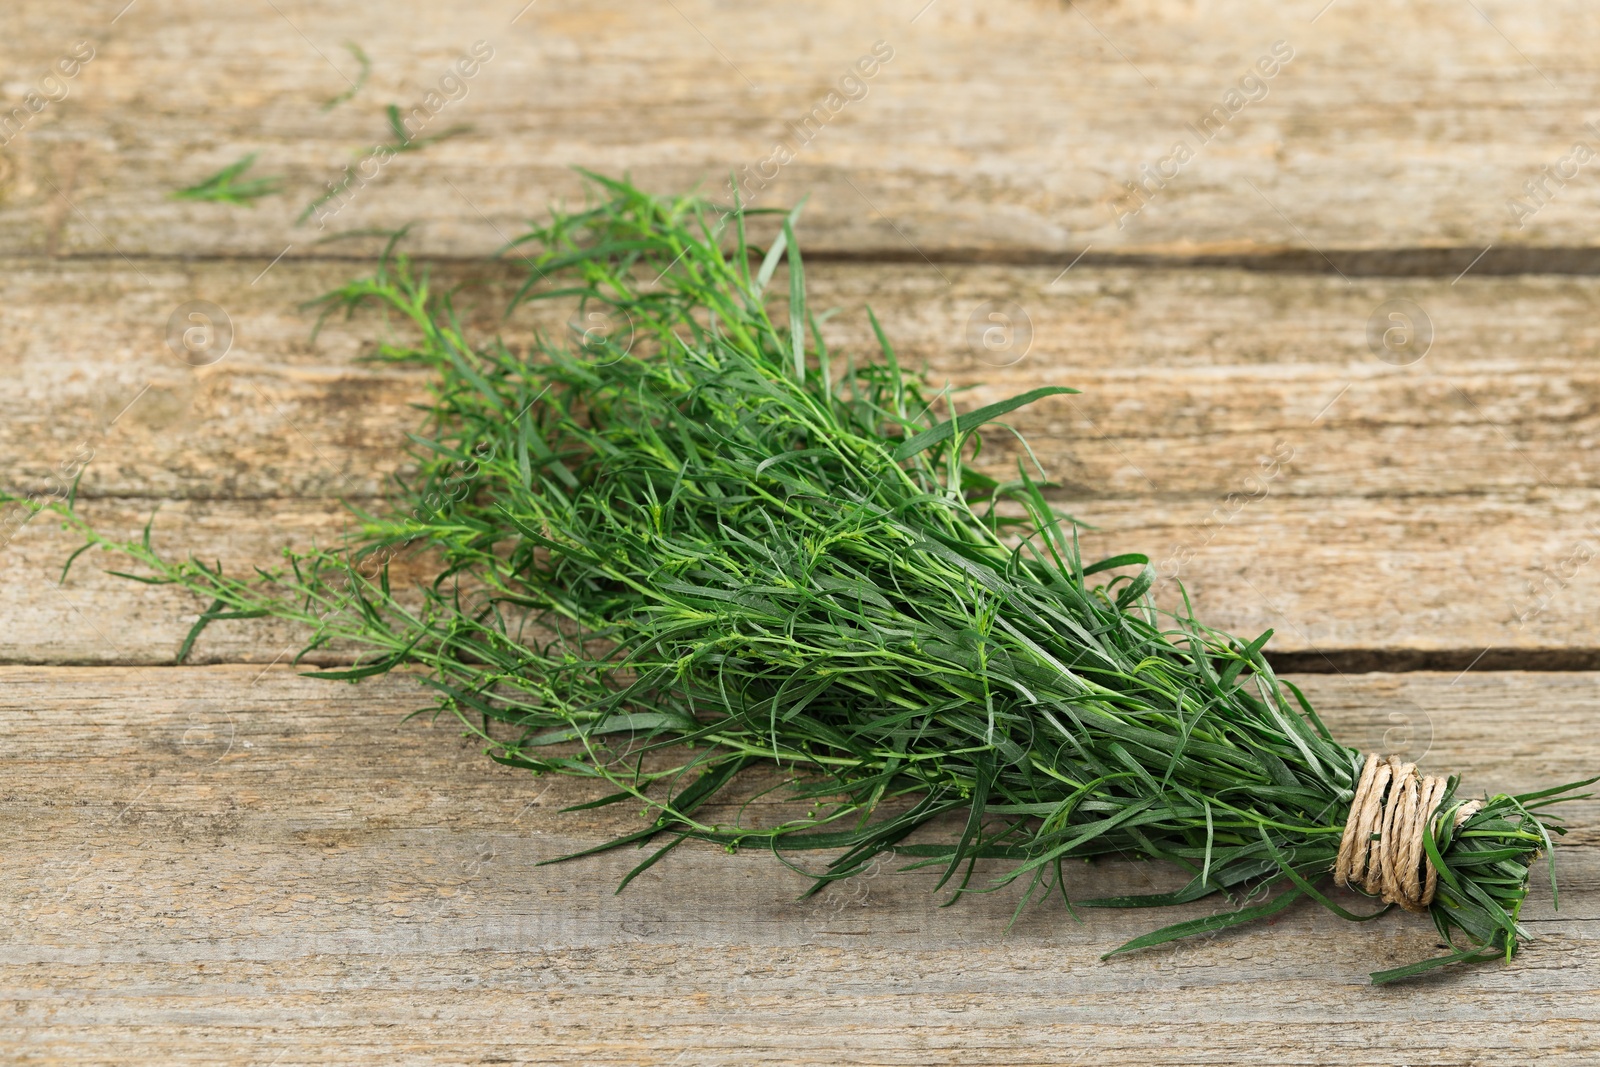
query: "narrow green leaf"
971, 421
1208, 924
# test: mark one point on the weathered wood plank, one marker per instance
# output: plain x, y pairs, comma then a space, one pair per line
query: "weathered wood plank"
998, 131
1189, 378
1439, 507
214, 864
1337, 575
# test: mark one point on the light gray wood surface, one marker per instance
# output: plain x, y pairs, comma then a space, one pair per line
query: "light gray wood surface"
1434, 508
229, 863
999, 130
1187, 377
220, 865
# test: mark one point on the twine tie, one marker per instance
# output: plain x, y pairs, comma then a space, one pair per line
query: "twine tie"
1382, 853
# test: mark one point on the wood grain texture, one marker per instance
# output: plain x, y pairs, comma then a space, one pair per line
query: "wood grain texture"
231, 863
1188, 378
213, 864
1441, 507
1330, 576
996, 130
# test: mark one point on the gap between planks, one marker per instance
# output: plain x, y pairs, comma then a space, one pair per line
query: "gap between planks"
1451, 262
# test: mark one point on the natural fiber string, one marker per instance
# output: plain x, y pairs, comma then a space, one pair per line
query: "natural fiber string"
1381, 852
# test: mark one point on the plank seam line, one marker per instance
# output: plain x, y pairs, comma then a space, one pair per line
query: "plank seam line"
1441, 262
1326, 661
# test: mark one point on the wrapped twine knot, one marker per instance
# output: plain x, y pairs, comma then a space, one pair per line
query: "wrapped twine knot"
1381, 852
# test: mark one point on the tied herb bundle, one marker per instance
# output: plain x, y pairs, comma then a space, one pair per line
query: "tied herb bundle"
700, 546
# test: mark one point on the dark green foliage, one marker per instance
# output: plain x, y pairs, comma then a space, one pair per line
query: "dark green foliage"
720, 549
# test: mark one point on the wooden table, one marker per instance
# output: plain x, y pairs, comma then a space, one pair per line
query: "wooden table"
227, 862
